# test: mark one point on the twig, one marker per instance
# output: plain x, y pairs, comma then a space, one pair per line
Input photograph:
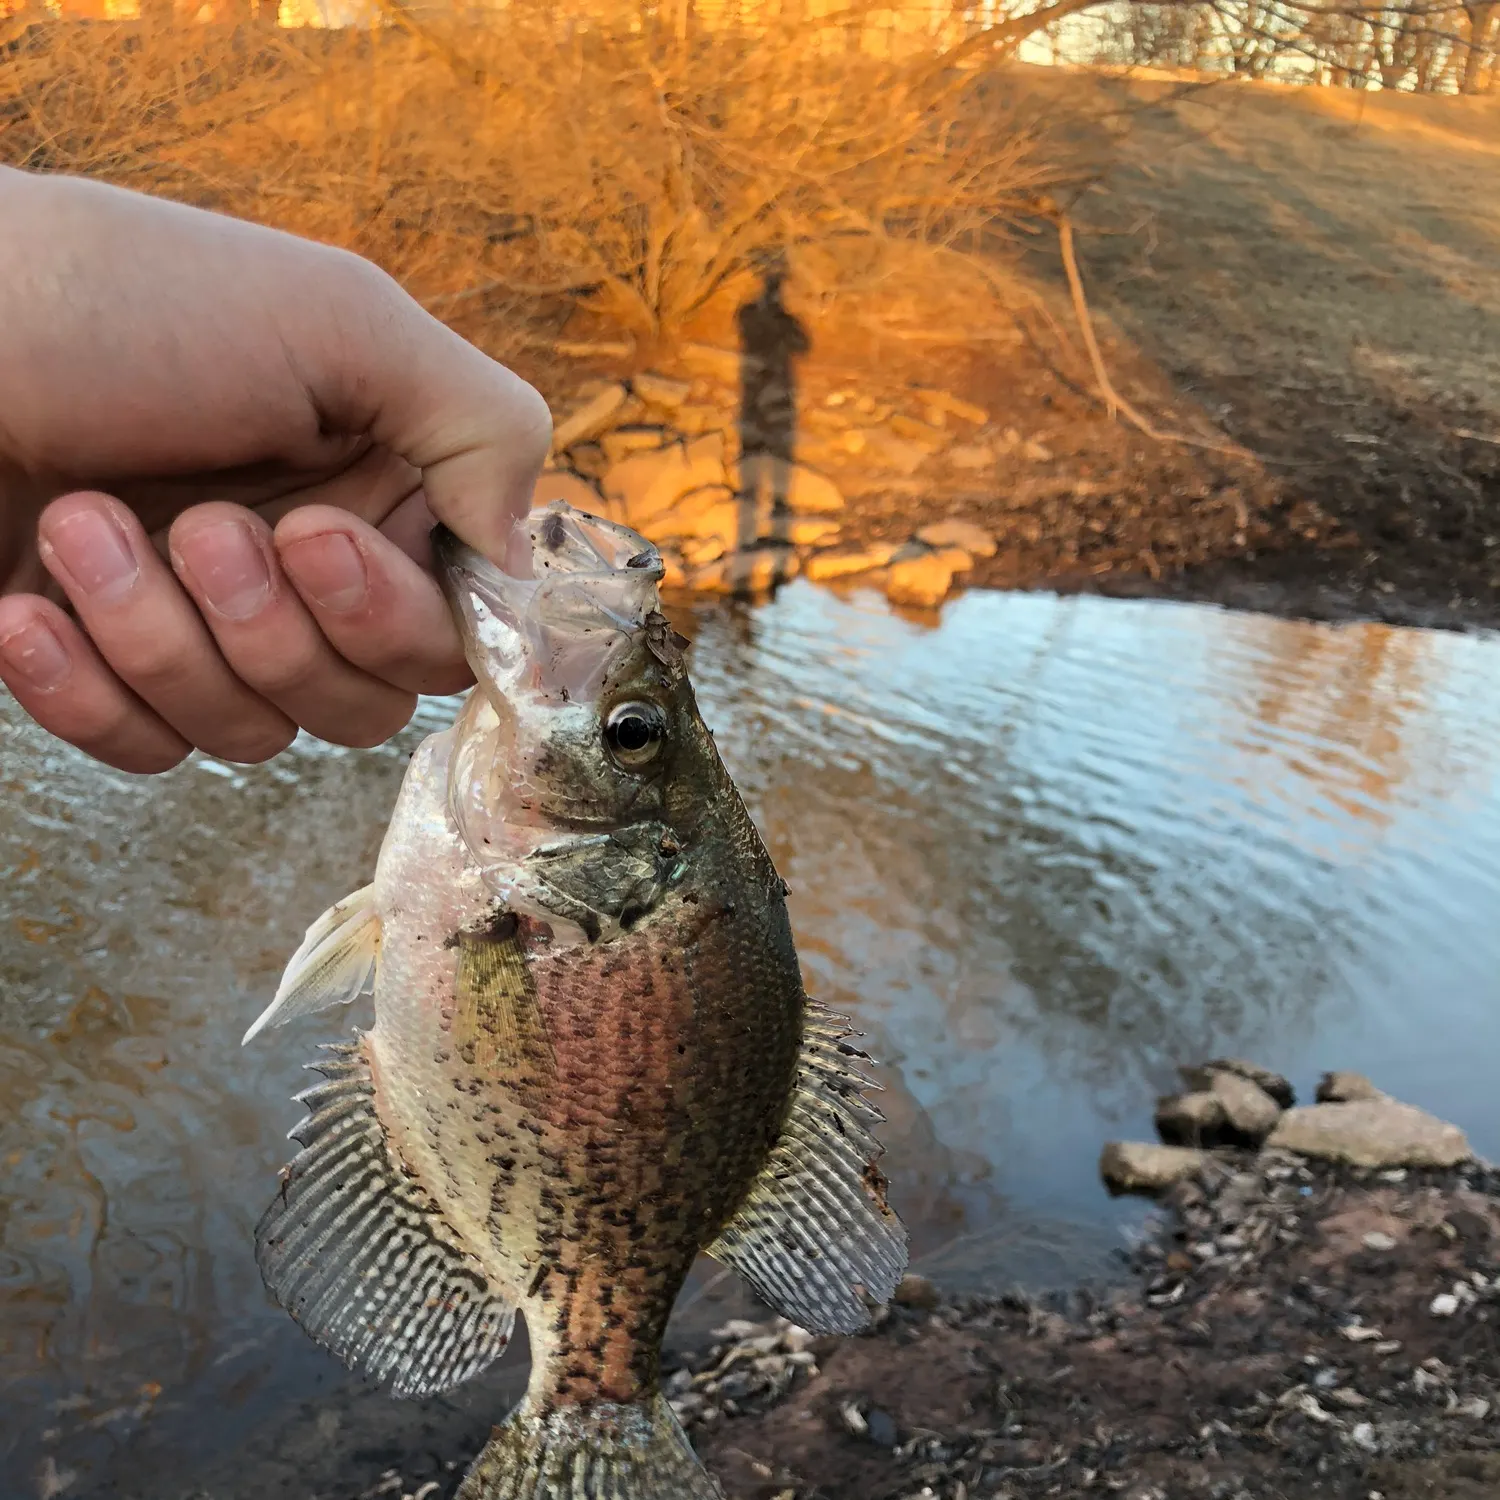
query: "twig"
1114, 402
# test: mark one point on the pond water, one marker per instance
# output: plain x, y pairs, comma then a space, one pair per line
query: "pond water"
1043, 852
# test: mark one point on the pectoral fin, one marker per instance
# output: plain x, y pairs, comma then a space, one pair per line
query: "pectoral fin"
334, 966
359, 1254
815, 1237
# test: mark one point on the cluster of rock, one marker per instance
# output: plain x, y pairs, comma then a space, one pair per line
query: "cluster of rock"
748, 1365
1232, 1104
664, 456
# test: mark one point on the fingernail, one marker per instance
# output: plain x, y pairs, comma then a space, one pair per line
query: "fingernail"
229, 568
95, 553
34, 654
329, 570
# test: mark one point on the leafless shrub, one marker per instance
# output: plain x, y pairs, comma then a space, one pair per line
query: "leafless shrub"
510, 165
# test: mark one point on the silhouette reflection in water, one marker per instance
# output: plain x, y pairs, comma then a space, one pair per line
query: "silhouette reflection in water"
771, 339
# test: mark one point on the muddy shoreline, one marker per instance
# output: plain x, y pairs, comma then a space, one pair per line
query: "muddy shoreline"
1285, 1329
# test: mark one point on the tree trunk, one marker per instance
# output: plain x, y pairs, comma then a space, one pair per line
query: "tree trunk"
1481, 15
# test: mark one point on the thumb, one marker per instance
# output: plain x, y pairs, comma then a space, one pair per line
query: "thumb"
476, 430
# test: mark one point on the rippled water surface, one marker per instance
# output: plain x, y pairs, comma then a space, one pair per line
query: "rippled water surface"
1043, 852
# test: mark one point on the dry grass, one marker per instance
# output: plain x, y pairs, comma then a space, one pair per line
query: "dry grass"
1302, 236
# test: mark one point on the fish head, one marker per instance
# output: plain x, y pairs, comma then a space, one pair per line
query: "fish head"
581, 768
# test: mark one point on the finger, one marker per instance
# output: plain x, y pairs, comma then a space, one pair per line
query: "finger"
477, 431
223, 554
378, 607
56, 675
147, 629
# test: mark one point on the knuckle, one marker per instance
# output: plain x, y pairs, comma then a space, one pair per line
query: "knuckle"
281, 674
152, 663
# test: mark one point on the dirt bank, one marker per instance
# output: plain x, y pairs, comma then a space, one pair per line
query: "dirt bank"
1279, 1340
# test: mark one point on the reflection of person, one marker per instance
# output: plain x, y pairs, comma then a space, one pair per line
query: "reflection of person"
224, 447
771, 337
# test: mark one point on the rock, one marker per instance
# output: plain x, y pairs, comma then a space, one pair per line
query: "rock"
1189, 1119
1371, 1133
590, 419
559, 484
1377, 1239
584, 349
709, 511
723, 363
973, 539
808, 531
1143, 1167
692, 420
1272, 1083
588, 459
624, 441
750, 571
882, 1428
1249, 1111
924, 580
971, 456
1038, 452
915, 1291
1444, 1305
923, 434
696, 553
661, 390
893, 452
951, 405
800, 488
1347, 1088
825, 565
644, 485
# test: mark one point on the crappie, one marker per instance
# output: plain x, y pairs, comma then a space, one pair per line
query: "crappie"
592, 1055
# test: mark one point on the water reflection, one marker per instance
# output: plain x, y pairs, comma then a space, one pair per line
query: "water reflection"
1042, 853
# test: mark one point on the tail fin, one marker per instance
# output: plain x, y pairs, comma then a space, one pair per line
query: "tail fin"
597, 1452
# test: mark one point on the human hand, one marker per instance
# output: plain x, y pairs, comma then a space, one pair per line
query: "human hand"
224, 447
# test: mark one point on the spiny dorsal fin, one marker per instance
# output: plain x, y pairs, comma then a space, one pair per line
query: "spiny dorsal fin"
334, 966
815, 1237
359, 1255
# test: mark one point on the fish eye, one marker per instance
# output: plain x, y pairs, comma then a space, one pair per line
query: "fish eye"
635, 732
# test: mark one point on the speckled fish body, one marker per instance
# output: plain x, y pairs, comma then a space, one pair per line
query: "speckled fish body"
592, 1056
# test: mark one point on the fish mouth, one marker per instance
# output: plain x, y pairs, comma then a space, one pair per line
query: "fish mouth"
573, 595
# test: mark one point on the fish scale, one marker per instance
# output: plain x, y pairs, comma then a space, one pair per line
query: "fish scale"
592, 1057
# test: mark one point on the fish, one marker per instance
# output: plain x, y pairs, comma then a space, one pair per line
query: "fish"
592, 1056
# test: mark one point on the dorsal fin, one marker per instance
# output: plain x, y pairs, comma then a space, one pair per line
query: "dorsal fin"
814, 1236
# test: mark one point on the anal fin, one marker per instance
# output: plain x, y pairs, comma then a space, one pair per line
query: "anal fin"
362, 1258
815, 1237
